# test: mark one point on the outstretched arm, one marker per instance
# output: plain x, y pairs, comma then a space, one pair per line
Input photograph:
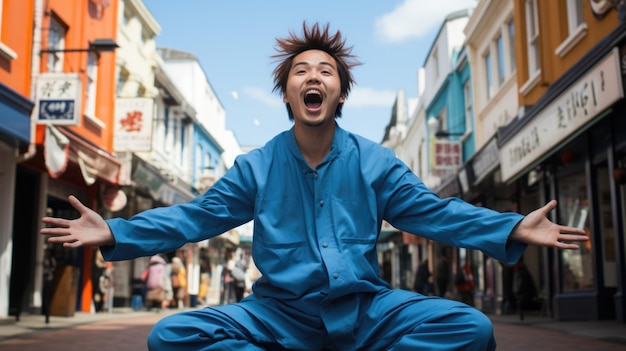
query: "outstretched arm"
89, 229
537, 229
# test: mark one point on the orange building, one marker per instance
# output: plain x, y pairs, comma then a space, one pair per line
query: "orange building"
73, 88
15, 129
568, 142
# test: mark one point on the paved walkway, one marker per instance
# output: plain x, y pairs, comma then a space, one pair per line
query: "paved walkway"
127, 330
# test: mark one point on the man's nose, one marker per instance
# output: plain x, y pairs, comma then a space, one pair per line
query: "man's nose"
313, 77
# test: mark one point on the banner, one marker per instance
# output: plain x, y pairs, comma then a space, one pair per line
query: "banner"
133, 124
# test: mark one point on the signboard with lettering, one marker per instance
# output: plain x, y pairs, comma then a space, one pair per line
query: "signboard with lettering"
133, 124
590, 95
58, 98
447, 155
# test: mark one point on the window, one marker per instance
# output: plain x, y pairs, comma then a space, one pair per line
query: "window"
489, 75
574, 15
127, 17
5, 51
467, 96
92, 82
511, 32
532, 36
436, 63
122, 78
56, 40
500, 50
576, 27
577, 265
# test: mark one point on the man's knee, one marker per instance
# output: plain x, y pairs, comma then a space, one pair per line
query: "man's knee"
478, 327
160, 334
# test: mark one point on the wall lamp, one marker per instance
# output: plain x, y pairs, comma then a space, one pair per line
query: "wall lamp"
98, 45
433, 127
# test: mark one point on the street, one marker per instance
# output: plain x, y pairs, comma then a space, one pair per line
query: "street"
128, 333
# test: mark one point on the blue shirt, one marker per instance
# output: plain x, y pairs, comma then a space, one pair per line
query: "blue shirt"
315, 230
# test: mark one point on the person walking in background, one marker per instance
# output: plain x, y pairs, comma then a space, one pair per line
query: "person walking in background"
97, 275
422, 283
318, 196
178, 277
443, 271
154, 277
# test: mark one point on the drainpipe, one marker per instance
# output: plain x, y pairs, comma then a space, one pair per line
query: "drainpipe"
35, 63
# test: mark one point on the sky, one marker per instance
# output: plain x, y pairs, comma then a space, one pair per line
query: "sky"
234, 40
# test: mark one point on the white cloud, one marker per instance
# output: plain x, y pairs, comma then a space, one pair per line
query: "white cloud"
235, 94
256, 122
369, 97
414, 18
264, 96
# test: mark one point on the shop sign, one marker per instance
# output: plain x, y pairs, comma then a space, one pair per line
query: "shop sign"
485, 161
447, 155
597, 90
133, 124
58, 98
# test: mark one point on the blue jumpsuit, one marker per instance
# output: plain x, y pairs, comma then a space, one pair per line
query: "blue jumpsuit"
315, 234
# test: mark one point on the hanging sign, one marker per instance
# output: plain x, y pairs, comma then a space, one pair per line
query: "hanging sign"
58, 98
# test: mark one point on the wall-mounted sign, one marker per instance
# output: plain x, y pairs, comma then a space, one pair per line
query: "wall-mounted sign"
58, 98
133, 124
590, 95
447, 155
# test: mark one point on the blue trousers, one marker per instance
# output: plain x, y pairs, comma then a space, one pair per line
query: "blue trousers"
394, 320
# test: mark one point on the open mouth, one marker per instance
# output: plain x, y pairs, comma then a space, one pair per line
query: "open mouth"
313, 99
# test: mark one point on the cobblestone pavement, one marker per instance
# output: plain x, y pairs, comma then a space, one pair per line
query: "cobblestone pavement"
128, 332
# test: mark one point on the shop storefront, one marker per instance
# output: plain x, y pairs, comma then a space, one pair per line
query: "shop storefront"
569, 146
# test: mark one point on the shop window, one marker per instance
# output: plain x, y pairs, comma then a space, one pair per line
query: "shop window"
576, 265
607, 231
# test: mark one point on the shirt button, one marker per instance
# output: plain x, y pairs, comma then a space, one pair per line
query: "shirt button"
315, 174
325, 244
335, 275
321, 203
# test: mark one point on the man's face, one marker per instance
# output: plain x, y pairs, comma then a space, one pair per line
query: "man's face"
313, 88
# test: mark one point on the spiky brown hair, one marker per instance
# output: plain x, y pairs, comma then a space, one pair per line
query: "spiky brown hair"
314, 38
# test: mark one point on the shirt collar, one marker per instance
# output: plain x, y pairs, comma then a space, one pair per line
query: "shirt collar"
335, 149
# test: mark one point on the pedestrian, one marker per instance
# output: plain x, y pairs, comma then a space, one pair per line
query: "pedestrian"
318, 195
154, 277
464, 284
178, 277
422, 284
233, 278
524, 288
442, 273
49, 264
97, 281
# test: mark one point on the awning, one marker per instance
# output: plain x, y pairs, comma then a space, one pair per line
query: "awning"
61, 145
15, 112
149, 178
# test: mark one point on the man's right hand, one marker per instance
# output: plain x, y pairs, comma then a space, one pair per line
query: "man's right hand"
89, 229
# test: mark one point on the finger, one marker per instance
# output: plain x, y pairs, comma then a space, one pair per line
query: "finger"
551, 205
572, 230
59, 222
73, 244
573, 237
82, 209
567, 246
59, 239
55, 231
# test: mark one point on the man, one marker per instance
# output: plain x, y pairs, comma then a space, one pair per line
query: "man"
318, 195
